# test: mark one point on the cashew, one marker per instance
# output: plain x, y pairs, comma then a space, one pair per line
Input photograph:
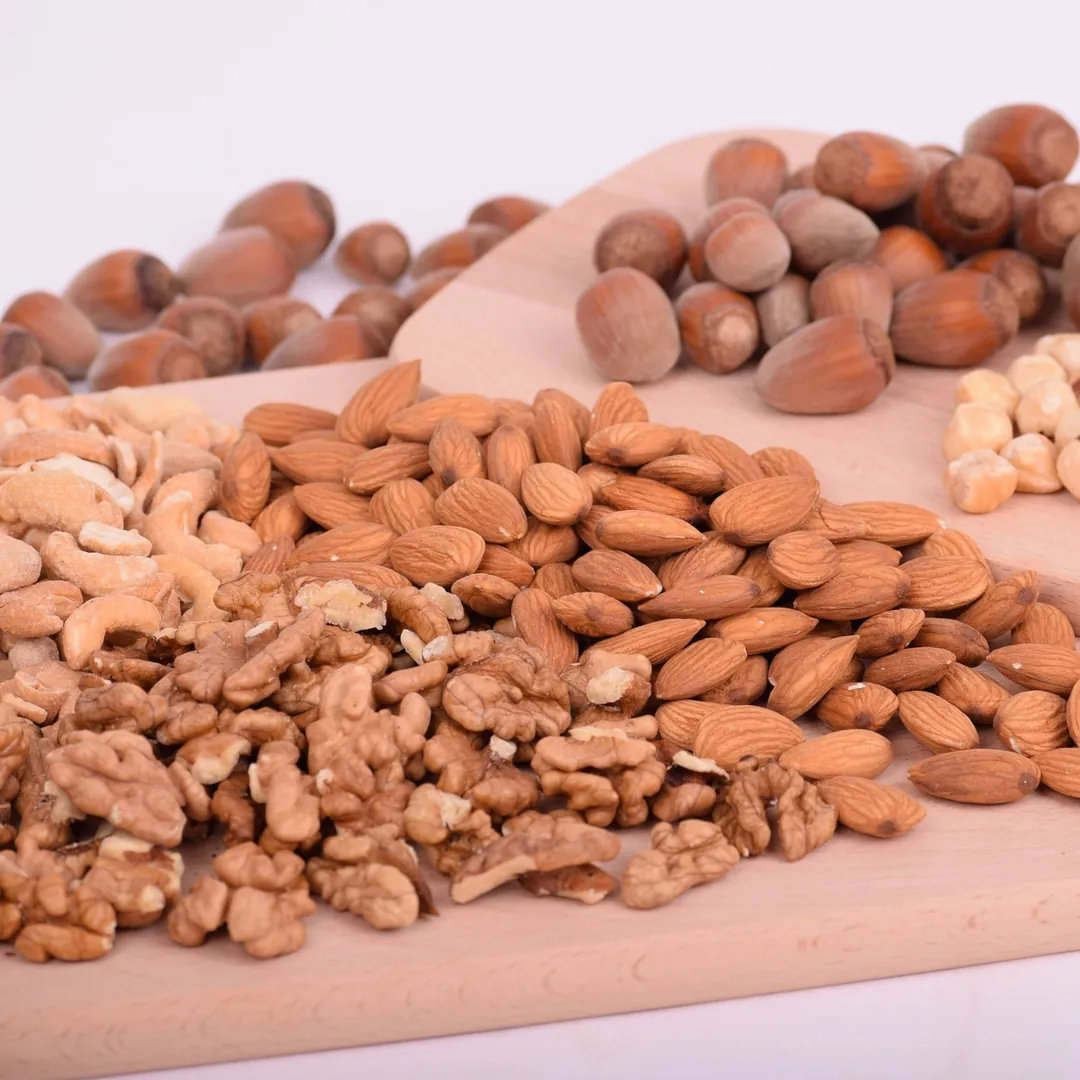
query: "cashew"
196, 585
127, 465
36, 536
216, 528
86, 629
150, 411
89, 413
190, 429
57, 500
182, 457
92, 471
167, 528
199, 484
148, 481
20, 564
36, 413
14, 426
38, 610
95, 574
26, 652
160, 590
107, 540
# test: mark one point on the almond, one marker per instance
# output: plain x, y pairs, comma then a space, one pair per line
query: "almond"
895, 523
855, 595
1072, 714
870, 808
417, 423
755, 569
783, 461
271, 557
1044, 624
713, 557
555, 432
855, 555
379, 579
762, 630
556, 580
658, 641
598, 477
627, 492
914, 668
644, 532
973, 693
1003, 605
509, 452
616, 574
945, 582
533, 612
739, 467
454, 452
281, 517
554, 494
802, 560
761, 510
486, 594
700, 667
593, 614
328, 504
984, 777
439, 554
679, 721
687, 472
276, 423
360, 541
835, 523
732, 732
939, 726
245, 478
403, 505
792, 659
484, 507
857, 705
952, 542
505, 564
710, 599
371, 469
852, 752
744, 686
1039, 667
364, 418
543, 543
617, 403
963, 641
889, 632
799, 689
1060, 770
1031, 722
315, 460
631, 444
587, 528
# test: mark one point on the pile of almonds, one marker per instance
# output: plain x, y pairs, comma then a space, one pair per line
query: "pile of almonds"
474, 634
227, 303
876, 251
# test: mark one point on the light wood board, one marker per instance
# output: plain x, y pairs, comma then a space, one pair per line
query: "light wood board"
971, 885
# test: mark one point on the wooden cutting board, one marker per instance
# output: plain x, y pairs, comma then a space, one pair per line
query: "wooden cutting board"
971, 885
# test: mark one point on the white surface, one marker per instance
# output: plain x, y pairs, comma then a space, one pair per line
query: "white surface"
138, 123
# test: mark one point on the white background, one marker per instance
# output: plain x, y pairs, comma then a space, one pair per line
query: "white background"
139, 123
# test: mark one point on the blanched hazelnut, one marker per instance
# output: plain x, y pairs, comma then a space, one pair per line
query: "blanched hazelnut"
1025, 371
1034, 457
1065, 349
985, 387
980, 481
1068, 467
1043, 405
1068, 428
975, 426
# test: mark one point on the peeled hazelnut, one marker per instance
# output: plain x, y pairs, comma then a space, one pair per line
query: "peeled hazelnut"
862, 289
67, 337
1019, 273
752, 167
1065, 349
748, 252
1049, 222
986, 387
873, 172
1043, 405
18, 348
783, 308
329, 341
381, 312
835, 365
239, 266
980, 481
146, 359
373, 254
651, 241
300, 215
45, 382
628, 326
123, 290
908, 255
267, 323
1034, 457
1068, 467
215, 328
427, 285
976, 426
509, 212
1025, 371
822, 229
955, 319
719, 326
461, 248
1068, 428
712, 219
1036, 144
966, 205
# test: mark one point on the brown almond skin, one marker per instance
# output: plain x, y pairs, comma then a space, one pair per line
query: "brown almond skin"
871, 171
963, 641
712, 219
18, 349
1060, 770
376, 253
908, 255
651, 241
509, 212
966, 205
913, 668
857, 705
719, 326
268, 322
123, 290
1036, 144
976, 695
982, 777
146, 359
822, 229
329, 341
836, 365
783, 309
755, 168
457, 249
861, 289
68, 339
381, 312
870, 808
214, 327
956, 319
239, 266
45, 382
628, 326
299, 214
1019, 273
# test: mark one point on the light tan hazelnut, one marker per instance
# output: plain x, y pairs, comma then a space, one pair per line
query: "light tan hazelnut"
1034, 458
1065, 349
975, 426
1068, 467
1068, 428
980, 481
985, 387
1025, 371
1043, 405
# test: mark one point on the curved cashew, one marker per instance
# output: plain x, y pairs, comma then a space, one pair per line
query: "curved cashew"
86, 629
151, 459
107, 540
199, 484
57, 500
150, 412
94, 573
36, 413
26, 652
38, 444
127, 465
20, 564
182, 457
167, 528
88, 470
196, 585
217, 528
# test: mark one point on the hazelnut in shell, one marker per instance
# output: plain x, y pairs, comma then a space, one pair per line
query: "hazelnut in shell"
908, 255
862, 289
329, 341
239, 266
783, 308
651, 241
45, 382
381, 312
712, 219
1070, 281
214, 327
374, 254
428, 285
748, 252
299, 214
1019, 273
1036, 144
458, 249
822, 229
68, 339
18, 348
146, 359
719, 326
509, 212
123, 290
267, 323
753, 167
1049, 222
966, 205
871, 171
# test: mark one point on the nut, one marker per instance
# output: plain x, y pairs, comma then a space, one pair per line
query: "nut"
980, 481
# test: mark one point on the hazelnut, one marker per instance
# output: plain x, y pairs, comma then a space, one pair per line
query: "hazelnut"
1043, 405
651, 241
908, 255
461, 248
1068, 467
18, 348
987, 387
146, 359
329, 341
712, 219
239, 266
783, 308
300, 215
873, 172
822, 229
719, 326
509, 212
373, 254
1034, 457
381, 312
267, 323
862, 289
123, 290
427, 285
215, 328
1019, 273
934, 155
1049, 222
68, 339
1036, 144
976, 426
748, 252
966, 205
752, 167
1068, 428
1065, 349
1025, 371
980, 481
45, 382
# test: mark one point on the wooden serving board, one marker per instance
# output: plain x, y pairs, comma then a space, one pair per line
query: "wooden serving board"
970, 885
